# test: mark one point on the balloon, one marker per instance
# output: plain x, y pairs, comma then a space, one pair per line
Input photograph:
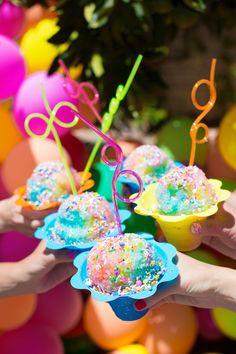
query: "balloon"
36, 13
12, 19
203, 256
16, 311
140, 223
25, 104
3, 192
9, 135
77, 151
59, 308
225, 321
23, 158
171, 329
15, 246
227, 137
35, 41
131, 349
31, 339
107, 330
174, 138
77, 331
221, 169
12, 68
207, 327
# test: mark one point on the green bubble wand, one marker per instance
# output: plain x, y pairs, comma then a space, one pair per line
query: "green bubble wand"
114, 104
51, 129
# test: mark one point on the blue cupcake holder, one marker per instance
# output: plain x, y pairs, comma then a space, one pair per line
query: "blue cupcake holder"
44, 233
123, 306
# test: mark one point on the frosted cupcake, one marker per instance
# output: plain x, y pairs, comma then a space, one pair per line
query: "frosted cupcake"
184, 195
124, 268
80, 221
149, 162
48, 186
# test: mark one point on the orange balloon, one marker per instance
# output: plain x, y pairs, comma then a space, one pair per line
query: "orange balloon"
107, 330
24, 157
36, 13
171, 329
16, 311
9, 135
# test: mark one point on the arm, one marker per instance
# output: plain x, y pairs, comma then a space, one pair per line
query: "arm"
199, 285
14, 217
39, 272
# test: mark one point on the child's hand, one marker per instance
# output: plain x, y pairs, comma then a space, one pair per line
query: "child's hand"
14, 217
39, 272
219, 231
199, 284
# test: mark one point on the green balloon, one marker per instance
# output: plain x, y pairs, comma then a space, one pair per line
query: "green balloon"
225, 321
203, 256
228, 184
174, 139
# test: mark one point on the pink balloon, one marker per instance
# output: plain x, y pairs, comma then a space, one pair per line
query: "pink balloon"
31, 339
29, 100
12, 68
12, 19
207, 327
59, 308
77, 151
15, 246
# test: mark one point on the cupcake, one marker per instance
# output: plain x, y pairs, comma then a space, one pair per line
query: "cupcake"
124, 264
123, 268
48, 186
80, 221
183, 196
149, 162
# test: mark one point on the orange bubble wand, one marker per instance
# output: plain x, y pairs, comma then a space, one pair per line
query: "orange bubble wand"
204, 108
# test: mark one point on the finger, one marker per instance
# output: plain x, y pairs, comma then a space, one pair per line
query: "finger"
220, 246
161, 294
57, 275
36, 223
48, 258
178, 299
207, 228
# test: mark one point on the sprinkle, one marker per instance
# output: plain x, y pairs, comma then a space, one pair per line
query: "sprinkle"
150, 162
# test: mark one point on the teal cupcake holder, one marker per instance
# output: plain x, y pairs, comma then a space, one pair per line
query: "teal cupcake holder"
123, 305
46, 233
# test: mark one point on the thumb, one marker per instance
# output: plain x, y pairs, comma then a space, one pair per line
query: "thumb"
208, 227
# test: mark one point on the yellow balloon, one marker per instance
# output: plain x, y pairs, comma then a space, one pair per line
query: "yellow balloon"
38, 52
107, 330
131, 349
227, 137
225, 321
9, 135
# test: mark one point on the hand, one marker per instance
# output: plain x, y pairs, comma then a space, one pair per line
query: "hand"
14, 217
199, 284
219, 230
38, 273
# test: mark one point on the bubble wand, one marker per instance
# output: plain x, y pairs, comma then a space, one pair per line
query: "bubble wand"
50, 128
204, 108
84, 92
107, 119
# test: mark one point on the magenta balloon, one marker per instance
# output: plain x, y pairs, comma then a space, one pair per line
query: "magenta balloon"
29, 100
33, 338
12, 68
59, 308
12, 19
207, 327
77, 151
15, 246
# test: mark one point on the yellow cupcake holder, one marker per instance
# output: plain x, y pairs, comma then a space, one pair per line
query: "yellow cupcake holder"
177, 228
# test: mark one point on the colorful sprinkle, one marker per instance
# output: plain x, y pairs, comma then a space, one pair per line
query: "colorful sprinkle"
132, 268
83, 218
184, 190
49, 183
